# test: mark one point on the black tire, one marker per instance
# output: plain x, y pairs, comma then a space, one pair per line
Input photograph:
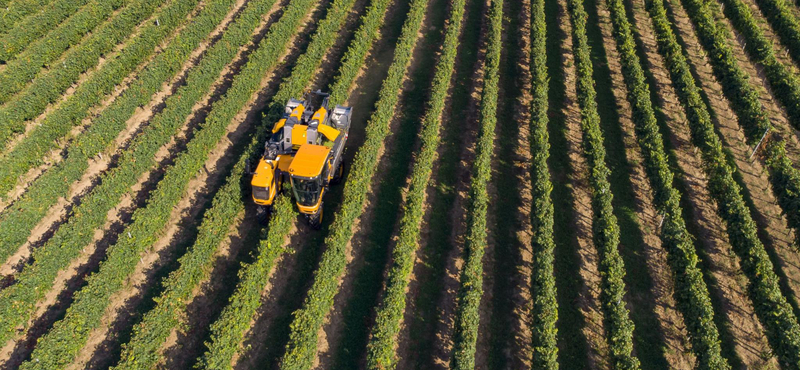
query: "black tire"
339, 174
315, 220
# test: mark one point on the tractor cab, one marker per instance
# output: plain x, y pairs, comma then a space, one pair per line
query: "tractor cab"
305, 147
313, 168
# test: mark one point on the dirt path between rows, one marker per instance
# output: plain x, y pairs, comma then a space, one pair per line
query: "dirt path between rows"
82, 77
438, 332
670, 329
740, 331
504, 336
588, 298
777, 114
199, 191
773, 231
58, 213
281, 296
375, 230
70, 279
57, 154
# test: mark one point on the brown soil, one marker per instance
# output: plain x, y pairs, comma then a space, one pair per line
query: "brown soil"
588, 301
516, 345
30, 125
672, 329
333, 331
285, 267
773, 230
70, 279
107, 159
729, 284
187, 209
134, 124
443, 328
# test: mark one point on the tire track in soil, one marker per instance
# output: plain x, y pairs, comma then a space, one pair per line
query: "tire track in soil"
269, 331
429, 273
660, 336
106, 160
70, 279
346, 332
56, 155
188, 213
772, 227
578, 224
743, 341
504, 336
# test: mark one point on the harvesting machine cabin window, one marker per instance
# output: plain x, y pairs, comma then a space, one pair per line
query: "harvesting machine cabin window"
307, 191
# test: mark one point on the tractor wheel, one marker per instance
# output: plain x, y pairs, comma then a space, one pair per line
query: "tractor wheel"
339, 174
315, 220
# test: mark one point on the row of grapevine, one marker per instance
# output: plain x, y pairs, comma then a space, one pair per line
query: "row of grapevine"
17, 221
19, 10
302, 346
30, 152
544, 308
57, 348
770, 305
691, 292
142, 351
785, 180
229, 330
616, 321
755, 123
785, 24
786, 87
467, 317
65, 245
785, 84
49, 85
43, 52
35, 26
381, 348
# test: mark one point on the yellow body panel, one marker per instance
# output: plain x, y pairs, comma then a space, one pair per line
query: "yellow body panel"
309, 160
265, 177
299, 135
319, 115
297, 113
329, 132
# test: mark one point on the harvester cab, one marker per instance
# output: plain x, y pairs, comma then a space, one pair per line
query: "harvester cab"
305, 148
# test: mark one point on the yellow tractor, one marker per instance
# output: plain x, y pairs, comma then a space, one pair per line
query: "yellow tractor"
305, 148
